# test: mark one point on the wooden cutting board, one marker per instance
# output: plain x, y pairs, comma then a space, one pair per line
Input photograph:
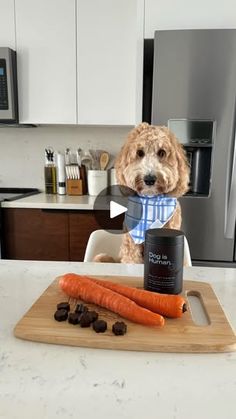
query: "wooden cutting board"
178, 335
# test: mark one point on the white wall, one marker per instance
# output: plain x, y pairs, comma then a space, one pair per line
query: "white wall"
22, 149
188, 14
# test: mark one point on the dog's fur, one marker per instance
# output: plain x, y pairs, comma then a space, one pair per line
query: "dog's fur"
161, 155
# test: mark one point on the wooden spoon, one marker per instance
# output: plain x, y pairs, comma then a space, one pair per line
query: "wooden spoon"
104, 160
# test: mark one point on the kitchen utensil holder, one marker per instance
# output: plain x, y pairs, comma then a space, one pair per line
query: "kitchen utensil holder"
97, 181
74, 187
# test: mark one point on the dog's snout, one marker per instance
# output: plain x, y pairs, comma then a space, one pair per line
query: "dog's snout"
150, 179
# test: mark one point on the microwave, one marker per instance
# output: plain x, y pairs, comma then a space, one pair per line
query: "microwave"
8, 86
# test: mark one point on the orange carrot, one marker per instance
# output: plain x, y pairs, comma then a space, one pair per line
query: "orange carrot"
168, 305
78, 286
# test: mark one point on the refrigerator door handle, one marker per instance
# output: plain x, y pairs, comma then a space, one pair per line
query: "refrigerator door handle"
231, 209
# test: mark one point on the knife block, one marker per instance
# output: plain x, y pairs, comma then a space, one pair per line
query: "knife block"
74, 187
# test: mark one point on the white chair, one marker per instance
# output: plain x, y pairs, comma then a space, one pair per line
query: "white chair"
101, 241
187, 255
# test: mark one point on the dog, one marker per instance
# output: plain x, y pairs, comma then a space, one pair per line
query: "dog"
153, 163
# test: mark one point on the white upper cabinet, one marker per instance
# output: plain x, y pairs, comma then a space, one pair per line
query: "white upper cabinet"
79, 61
191, 14
46, 59
110, 61
7, 24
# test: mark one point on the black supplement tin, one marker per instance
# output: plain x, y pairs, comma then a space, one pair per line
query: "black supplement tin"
163, 260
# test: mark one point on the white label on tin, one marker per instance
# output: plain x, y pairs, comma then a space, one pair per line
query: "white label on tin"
160, 259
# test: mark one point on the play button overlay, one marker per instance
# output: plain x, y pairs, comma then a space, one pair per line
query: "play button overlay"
115, 207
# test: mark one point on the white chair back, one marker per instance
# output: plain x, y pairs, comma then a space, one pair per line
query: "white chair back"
102, 241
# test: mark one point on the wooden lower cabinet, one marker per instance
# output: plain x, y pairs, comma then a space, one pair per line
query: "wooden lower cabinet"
35, 234
82, 224
38, 234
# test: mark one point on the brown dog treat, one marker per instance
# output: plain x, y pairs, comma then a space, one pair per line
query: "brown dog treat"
61, 315
100, 326
93, 315
81, 308
74, 318
85, 319
63, 306
119, 328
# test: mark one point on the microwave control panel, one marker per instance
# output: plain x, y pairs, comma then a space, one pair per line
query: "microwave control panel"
3, 86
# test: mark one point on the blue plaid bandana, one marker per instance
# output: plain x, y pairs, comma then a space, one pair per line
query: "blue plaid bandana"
145, 212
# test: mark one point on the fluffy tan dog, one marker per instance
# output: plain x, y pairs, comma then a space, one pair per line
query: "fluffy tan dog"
151, 162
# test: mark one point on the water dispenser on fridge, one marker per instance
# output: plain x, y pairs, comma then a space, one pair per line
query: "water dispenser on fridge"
197, 138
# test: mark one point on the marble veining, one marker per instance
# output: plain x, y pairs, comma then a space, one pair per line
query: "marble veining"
53, 381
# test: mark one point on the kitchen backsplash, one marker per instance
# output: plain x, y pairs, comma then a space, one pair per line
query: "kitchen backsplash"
22, 149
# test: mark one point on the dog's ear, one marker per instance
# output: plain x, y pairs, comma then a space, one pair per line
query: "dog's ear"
120, 163
183, 169
123, 158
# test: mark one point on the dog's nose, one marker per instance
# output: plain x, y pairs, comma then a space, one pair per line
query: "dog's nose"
150, 179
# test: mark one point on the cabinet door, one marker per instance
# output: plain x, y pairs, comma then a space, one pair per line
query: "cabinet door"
35, 234
7, 24
46, 47
82, 224
110, 61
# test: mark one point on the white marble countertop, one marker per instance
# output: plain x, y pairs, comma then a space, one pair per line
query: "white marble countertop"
54, 381
42, 200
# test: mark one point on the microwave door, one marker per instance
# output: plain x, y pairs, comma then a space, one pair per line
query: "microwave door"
8, 86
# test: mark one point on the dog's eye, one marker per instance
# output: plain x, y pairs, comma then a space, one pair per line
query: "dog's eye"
140, 153
161, 153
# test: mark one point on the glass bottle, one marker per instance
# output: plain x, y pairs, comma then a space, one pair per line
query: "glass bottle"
50, 174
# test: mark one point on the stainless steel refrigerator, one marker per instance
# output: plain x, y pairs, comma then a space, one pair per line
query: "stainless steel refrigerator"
194, 93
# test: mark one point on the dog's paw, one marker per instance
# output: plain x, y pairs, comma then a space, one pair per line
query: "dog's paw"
103, 258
